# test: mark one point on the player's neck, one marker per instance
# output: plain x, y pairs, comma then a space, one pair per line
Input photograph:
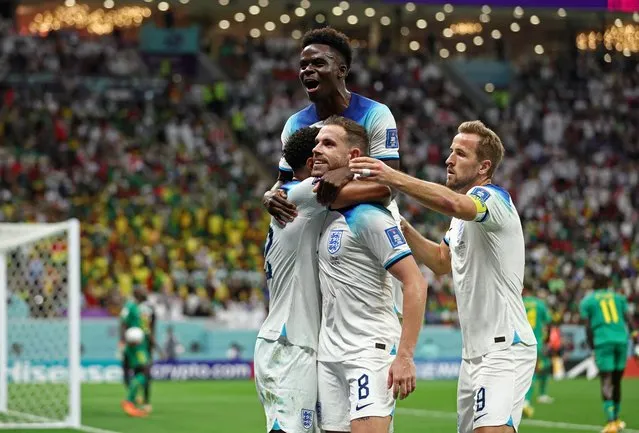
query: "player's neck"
337, 104
478, 182
301, 175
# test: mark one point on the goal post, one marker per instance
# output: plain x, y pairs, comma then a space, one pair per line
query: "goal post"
40, 325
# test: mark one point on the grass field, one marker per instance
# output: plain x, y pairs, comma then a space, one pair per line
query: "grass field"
211, 407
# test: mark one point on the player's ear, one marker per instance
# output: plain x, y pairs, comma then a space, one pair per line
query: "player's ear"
355, 152
309, 163
484, 168
343, 71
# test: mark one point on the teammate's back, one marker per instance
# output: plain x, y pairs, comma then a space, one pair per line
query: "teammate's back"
291, 271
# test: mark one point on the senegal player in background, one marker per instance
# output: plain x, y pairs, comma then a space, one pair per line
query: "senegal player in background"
539, 319
136, 313
605, 314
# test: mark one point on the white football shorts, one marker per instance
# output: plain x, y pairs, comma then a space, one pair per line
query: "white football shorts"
355, 389
286, 382
492, 388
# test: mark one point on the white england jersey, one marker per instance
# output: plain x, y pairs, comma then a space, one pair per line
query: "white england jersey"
381, 128
356, 247
290, 256
488, 260
374, 116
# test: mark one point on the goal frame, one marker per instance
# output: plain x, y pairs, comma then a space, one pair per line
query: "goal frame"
72, 229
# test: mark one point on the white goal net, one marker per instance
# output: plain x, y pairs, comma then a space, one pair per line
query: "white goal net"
40, 325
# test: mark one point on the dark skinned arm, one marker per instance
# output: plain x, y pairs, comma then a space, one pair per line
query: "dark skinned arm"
590, 336
275, 202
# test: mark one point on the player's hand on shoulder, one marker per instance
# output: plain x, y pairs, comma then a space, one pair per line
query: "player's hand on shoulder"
277, 205
402, 377
330, 184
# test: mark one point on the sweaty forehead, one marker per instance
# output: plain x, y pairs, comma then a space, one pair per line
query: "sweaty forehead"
318, 50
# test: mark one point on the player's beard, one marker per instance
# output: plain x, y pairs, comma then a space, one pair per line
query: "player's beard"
460, 184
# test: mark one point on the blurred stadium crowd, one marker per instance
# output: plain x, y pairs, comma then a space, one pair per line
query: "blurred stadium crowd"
163, 186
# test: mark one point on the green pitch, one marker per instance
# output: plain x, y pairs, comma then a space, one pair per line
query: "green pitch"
212, 407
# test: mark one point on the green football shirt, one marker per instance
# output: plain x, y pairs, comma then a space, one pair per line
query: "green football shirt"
606, 310
134, 315
538, 317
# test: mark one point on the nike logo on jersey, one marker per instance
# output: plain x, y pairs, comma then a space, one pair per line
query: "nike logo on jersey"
358, 407
480, 416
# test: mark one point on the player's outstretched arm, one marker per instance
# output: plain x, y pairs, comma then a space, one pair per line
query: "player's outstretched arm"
435, 256
402, 376
276, 204
431, 195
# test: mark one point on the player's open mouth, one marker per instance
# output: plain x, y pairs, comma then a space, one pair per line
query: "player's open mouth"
311, 85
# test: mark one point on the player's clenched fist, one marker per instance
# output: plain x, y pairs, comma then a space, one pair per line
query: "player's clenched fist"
402, 377
277, 205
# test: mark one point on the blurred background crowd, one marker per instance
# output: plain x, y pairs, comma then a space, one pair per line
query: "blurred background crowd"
166, 170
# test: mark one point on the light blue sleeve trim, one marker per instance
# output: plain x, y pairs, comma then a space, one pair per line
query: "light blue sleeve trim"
285, 169
397, 258
387, 157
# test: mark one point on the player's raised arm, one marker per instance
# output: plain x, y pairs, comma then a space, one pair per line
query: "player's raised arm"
359, 192
402, 375
434, 256
275, 200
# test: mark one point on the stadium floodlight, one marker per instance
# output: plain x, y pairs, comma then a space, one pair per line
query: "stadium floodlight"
40, 325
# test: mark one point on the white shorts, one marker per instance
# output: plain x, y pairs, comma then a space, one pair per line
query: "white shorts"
350, 390
492, 388
286, 381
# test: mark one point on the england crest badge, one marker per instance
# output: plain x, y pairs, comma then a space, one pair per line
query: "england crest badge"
335, 241
307, 418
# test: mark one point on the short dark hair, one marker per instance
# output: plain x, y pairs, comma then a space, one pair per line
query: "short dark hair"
299, 147
333, 38
355, 133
